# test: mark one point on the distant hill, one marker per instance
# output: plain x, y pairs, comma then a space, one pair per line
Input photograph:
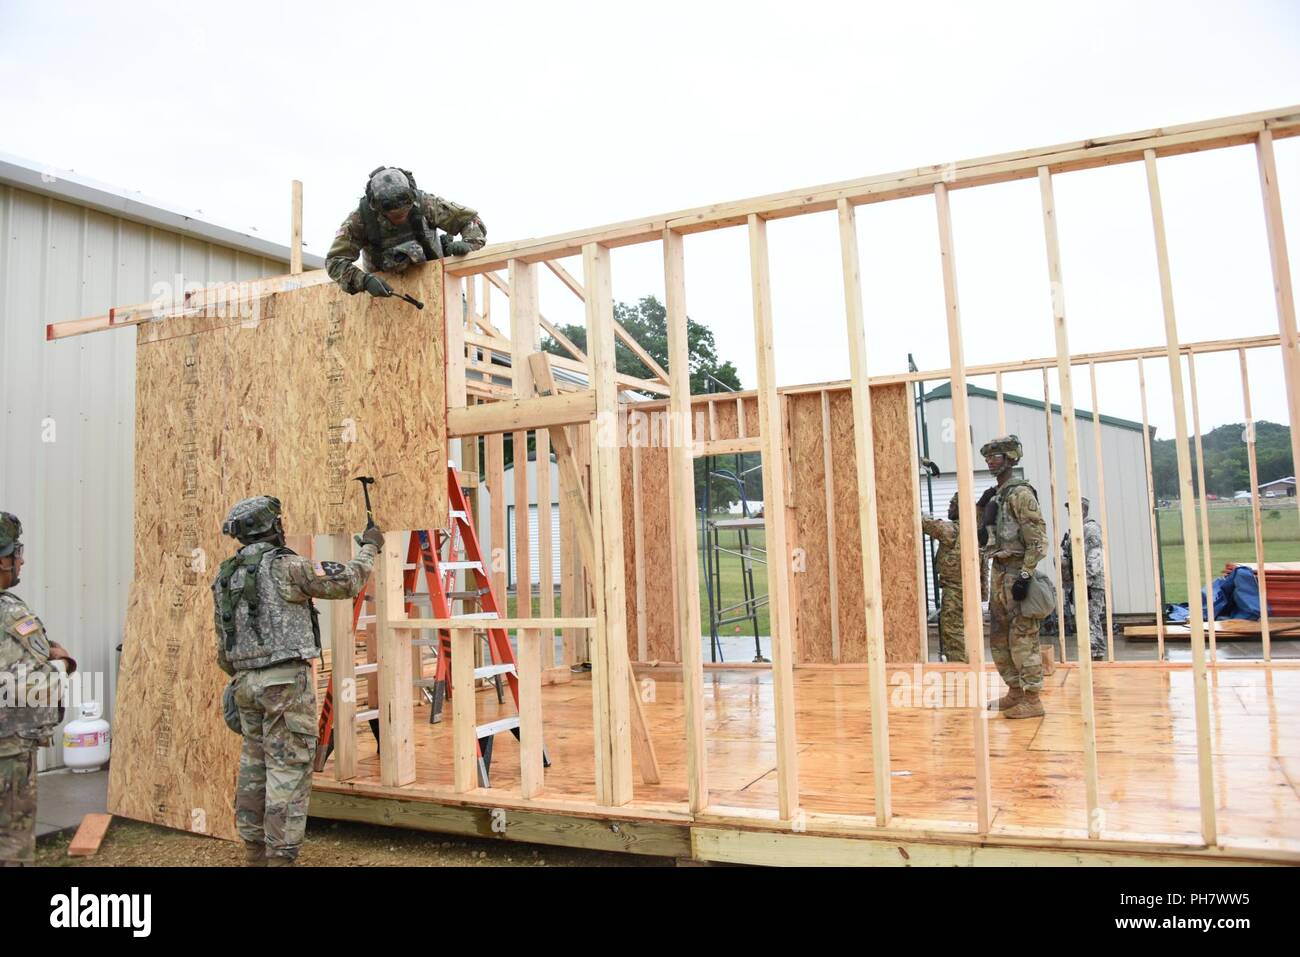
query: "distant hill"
1226, 468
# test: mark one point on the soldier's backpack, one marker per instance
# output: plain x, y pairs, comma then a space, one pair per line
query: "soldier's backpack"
227, 599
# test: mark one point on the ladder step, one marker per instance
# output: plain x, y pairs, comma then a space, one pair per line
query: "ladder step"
370, 668
424, 682
458, 514
477, 615
366, 620
496, 727
490, 671
367, 715
466, 595
424, 642
458, 566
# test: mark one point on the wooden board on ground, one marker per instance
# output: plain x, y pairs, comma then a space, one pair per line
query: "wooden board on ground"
1236, 629
293, 401
90, 834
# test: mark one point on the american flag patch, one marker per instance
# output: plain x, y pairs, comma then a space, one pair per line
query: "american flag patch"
26, 626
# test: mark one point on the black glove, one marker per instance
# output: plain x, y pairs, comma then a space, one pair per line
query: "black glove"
458, 247
987, 496
371, 536
377, 287
1020, 589
983, 535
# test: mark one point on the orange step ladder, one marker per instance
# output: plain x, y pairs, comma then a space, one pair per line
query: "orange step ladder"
425, 554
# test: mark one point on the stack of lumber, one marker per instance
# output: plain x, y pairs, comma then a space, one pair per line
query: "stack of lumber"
1282, 581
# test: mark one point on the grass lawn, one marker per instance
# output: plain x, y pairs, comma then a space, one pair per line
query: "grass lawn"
733, 590
1231, 540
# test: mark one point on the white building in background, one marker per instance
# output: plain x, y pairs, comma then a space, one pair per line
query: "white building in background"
70, 248
1128, 514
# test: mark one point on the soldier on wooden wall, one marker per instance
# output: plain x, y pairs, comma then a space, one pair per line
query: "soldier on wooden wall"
394, 226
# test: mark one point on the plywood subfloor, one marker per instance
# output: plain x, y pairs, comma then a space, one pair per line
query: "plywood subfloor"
1145, 737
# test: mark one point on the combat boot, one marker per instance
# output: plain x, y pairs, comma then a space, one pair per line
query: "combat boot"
1030, 706
254, 854
1008, 700
279, 860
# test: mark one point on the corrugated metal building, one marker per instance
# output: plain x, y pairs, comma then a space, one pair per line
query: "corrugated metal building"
1128, 514
70, 248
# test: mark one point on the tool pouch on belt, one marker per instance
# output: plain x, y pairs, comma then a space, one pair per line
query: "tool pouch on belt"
1040, 600
229, 709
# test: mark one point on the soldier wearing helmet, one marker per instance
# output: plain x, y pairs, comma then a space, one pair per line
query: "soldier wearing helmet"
947, 564
1094, 569
267, 637
1017, 542
30, 708
394, 226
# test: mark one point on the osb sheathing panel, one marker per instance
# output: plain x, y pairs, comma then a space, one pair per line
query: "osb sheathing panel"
174, 760
891, 421
848, 535
294, 400
806, 496
896, 504
661, 642
725, 418
629, 546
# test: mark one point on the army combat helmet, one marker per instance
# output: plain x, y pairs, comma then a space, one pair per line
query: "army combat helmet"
252, 518
390, 189
11, 530
1005, 445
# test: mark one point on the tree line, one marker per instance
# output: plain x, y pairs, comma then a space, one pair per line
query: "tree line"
1226, 468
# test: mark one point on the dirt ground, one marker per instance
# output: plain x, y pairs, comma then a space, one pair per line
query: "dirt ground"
328, 844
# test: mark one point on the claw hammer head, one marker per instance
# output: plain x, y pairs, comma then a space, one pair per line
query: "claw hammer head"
367, 481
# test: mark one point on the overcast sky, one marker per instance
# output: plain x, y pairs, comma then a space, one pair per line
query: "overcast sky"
549, 117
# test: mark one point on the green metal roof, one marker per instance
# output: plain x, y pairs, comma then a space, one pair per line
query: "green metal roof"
945, 392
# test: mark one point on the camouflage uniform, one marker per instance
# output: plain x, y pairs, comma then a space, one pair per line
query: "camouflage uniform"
270, 657
351, 239
947, 563
1094, 563
24, 650
1018, 540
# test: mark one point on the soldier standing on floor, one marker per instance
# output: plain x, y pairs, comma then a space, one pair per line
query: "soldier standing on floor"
1094, 566
947, 563
1017, 542
267, 637
396, 225
29, 720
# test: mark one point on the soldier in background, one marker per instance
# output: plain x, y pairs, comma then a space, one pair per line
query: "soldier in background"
1094, 569
1017, 542
396, 225
29, 721
947, 564
267, 637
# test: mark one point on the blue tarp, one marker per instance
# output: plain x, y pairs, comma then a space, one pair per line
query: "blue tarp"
1236, 595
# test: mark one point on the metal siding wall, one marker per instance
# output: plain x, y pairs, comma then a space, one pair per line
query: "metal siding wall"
1128, 523
59, 261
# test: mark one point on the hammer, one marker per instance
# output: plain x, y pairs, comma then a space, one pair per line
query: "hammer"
367, 481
